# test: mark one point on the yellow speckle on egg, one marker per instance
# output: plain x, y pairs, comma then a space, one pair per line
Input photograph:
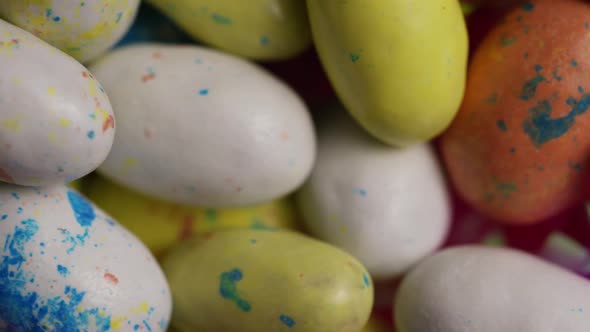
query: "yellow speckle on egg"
11, 124
80, 309
97, 31
103, 113
116, 322
37, 212
144, 307
7, 46
343, 229
130, 162
51, 137
541, 43
65, 122
51, 91
93, 90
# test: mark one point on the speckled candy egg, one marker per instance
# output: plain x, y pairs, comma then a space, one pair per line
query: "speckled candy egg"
83, 29
257, 29
388, 207
161, 225
518, 148
252, 281
203, 128
66, 266
56, 122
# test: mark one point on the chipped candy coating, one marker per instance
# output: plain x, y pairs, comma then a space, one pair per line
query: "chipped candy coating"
255, 29
245, 280
192, 133
387, 207
518, 148
66, 266
160, 225
474, 288
398, 66
56, 122
83, 29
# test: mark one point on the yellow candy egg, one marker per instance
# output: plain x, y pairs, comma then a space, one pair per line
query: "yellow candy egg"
256, 29
252, 281
398, 66
161, 224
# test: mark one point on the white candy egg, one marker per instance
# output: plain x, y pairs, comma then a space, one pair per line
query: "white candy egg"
485, 289
56, 122
200, 127
83, 29
388, 207
66, 266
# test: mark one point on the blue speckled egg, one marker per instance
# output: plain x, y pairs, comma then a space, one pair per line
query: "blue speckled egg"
66, 266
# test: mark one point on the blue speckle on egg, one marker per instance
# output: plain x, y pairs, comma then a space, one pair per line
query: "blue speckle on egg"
24, 310
83, 210
62, 270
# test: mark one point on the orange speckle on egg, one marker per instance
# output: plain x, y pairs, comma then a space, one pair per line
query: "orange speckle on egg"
111, 278
147, 77
109, 122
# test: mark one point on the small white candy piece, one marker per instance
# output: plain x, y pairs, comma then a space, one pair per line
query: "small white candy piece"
388, 207
56, 122
485, 289
204, 128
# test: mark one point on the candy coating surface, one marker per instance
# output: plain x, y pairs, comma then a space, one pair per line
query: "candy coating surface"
245, 280
203, 128
56, 122
473, 288
386, 206
83, 29
66, 266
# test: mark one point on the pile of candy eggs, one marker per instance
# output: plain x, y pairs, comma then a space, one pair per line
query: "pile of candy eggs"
287, 165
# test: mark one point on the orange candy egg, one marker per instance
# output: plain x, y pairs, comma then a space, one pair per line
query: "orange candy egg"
519, 146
